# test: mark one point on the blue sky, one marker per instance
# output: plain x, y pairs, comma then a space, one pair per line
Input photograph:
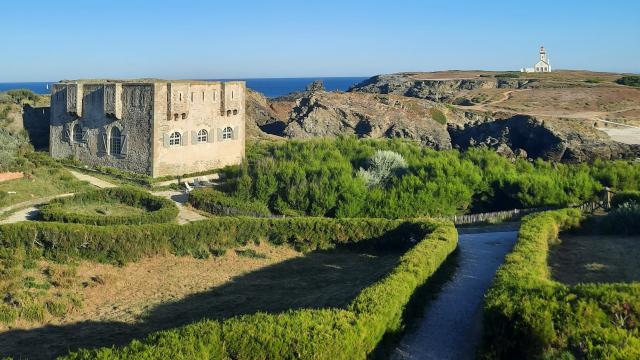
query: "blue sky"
47, 40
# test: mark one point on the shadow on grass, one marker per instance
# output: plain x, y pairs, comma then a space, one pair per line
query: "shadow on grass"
317, 280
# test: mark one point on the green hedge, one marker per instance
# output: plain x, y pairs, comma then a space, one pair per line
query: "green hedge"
218, 203
120, 244
529, 316
331, 333
158, 209
622, 197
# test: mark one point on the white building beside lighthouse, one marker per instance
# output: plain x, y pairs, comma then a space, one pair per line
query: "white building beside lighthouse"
541, 66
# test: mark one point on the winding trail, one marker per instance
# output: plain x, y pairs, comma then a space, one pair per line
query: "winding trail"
28, 210
451, 326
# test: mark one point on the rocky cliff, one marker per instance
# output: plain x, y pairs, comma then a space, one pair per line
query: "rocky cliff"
323, 114
549, 139
405, 84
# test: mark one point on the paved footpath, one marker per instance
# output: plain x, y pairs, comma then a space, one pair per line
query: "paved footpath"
28, 210
451, 326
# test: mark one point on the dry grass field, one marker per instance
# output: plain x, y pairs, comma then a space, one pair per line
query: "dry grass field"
122, 303
595, 258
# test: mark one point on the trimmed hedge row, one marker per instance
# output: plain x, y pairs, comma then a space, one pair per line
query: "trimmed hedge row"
120, 244
331, 333
529, 316
218, 203
158, 209
622, 197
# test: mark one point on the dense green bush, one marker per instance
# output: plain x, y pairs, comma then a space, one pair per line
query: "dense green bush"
529, 316
630, 80
219, 203
623, 197
624, 219
319, 177
157, 209
331, 333
120, 244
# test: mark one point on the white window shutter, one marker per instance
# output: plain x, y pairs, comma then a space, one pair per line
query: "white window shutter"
124, 143
194, 137
165, 140
184, 139
236, 132
211, 135
219, 132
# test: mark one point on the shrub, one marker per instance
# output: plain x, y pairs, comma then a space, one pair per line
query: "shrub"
218, 203
331, 333
630, 80
624, 219
623, 197
529, 316
383, 165
319, 177
438, 116
508, 75
157, 209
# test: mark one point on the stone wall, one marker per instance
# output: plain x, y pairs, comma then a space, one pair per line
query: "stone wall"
97, 124
187, 109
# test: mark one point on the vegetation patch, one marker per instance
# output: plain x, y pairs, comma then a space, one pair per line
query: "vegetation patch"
221, 204
630, 80
623, 197
111, 206
438, 116
326, 333
321, 177
528, 315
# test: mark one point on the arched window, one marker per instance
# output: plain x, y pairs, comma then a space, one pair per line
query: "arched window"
227, 133
115, 141
203, 136
175, 139
228, 112
235, 112
77, 133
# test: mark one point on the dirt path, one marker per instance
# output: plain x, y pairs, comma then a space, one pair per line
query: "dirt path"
99, 183
26, 210
185, 215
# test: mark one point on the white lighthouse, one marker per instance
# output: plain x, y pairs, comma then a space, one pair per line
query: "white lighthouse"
541, 66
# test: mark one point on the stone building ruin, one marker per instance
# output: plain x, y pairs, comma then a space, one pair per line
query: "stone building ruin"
153, 127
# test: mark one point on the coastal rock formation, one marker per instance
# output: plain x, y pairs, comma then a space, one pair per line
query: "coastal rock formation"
549, 139
406, 84
322, 114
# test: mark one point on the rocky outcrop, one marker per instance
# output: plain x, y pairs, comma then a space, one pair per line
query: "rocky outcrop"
433, 89
549, 139
329, 114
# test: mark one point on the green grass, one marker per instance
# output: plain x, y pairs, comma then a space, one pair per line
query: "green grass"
103, 208
438, 116
41, 182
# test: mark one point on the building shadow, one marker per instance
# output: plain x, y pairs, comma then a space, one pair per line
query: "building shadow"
319, 279
35, 121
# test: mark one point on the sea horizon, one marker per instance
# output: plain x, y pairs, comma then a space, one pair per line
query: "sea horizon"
269, 87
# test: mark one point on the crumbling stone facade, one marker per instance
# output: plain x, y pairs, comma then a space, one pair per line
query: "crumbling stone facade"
153, 127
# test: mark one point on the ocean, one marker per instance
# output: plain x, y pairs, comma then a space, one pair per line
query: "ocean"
270, 87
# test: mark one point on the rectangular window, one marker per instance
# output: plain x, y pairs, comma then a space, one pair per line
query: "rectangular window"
179, 95
203, 96
192, 97
214, 95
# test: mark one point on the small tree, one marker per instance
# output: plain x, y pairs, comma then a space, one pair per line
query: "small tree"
383, 165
